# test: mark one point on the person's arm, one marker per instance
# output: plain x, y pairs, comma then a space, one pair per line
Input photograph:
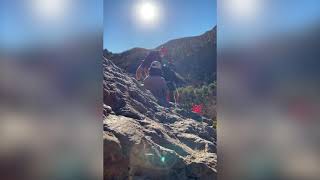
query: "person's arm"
138, 74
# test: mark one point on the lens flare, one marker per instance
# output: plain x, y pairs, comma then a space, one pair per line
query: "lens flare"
163, 159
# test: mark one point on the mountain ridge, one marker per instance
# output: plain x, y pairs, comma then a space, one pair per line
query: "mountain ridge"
194, 57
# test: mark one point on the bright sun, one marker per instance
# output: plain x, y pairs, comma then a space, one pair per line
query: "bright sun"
147, 12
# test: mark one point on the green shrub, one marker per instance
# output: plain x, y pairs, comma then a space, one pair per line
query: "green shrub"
204, 95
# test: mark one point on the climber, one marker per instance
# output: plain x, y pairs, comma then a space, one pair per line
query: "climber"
156, 83
142, 71
171, 78
170, 75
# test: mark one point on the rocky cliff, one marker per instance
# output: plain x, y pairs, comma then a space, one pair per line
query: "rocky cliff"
143, 140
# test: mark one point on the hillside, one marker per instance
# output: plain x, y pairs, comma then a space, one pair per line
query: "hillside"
143, 140
194, 57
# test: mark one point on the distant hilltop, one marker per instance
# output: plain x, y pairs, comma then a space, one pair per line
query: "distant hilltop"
194, 57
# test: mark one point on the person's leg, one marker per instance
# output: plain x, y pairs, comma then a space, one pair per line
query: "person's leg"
171, 96
176, 96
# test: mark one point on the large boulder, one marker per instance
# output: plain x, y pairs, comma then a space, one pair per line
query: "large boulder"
143, 140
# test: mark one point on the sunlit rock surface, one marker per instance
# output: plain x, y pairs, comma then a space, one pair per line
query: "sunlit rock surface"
143, 140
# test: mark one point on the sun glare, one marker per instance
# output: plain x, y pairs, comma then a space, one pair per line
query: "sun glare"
49, 10
147, 12
243, 9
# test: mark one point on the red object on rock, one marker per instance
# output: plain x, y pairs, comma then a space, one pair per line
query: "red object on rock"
197, 108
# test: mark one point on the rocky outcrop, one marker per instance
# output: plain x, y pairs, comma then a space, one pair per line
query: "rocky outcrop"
143, 140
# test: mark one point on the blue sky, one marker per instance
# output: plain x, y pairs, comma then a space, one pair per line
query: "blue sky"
273, 19
179, 18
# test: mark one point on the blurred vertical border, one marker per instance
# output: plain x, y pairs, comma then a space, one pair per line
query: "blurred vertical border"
51, 89
268, 89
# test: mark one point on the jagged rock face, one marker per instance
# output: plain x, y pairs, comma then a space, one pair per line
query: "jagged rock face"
128, 60
143, 140
194, 57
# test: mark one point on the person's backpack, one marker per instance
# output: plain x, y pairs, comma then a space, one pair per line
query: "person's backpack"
171, 76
